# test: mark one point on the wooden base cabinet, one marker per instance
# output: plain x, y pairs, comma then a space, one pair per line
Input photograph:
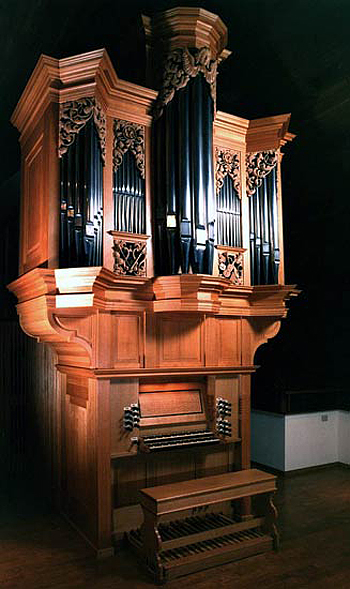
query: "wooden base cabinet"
118, 354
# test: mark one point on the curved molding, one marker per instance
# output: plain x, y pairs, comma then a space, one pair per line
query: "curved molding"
38, 319
263, 329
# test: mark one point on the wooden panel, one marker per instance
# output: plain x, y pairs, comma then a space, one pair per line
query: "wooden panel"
77, 487
128, 479
172, 404
123, 392
77, 389
127, 348
215, 461
167, 468
223, 341
34, 226
180, 341
99, 463
29, 404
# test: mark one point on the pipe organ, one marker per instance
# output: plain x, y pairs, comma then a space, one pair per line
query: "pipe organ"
151, 260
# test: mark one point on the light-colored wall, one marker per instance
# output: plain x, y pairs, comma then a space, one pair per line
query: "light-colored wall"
298, 441
310, 441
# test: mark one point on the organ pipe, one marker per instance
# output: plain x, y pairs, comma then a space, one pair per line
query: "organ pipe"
129, 196
264, 245
228, 215
184, 194
81, 220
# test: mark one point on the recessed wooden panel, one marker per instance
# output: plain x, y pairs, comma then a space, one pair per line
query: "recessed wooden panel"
170, 403
127, 340
223, 341
34, 223
180, 341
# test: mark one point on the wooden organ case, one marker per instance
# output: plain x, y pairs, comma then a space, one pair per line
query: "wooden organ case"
151, 260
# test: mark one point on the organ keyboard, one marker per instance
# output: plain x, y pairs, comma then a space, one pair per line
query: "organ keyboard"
156, 443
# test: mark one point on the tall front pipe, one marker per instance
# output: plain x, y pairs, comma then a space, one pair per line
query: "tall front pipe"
190, 41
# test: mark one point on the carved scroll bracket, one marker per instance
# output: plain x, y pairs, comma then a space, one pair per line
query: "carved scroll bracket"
259, 165
129, 136
227, 162
74, 115
180, 66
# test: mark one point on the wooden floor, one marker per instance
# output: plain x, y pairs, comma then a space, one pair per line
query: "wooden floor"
38, 549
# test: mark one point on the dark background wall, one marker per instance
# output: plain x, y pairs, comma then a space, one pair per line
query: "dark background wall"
287, 57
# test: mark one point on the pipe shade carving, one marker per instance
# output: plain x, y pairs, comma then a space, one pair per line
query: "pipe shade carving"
259, 165
180, 66
74, 115
129, 137
227, 162
230, 265
130, 257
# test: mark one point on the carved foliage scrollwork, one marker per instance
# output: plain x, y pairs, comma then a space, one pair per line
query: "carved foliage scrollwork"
129, 136
129, 257
259, 165
181, 65
74, 115
227, 162
231, 266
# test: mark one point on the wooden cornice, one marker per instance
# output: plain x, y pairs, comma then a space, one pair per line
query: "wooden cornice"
251, 136
84, 75
188, 293
230, 131
268, 133
187, 27
72, 309
93, 288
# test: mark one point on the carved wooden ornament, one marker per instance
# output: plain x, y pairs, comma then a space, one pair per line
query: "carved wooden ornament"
227, 162
259, 165
129, 257
181, 65
74, 115
231, 266
129, 136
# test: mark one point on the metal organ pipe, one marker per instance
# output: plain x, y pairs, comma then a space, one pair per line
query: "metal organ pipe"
229, 215
264, 245
129, 196
183, 148
81, 201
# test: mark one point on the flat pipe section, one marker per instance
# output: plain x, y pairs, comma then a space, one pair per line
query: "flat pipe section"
81, 220
264, 246
228, 215
184, 182
184, 179
129, 196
